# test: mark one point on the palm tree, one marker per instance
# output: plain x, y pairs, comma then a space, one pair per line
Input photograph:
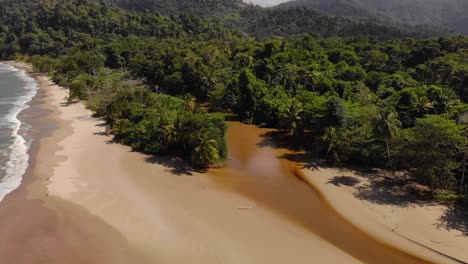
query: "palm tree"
463, 120
312, 78
290, 118
445, 101
339, 145
423, 106
205, 152
387, 127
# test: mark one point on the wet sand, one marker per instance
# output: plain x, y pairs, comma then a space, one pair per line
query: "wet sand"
38, 228
268, 174
88, 200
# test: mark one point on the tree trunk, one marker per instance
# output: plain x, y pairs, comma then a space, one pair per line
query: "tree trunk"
388, 151
463, 173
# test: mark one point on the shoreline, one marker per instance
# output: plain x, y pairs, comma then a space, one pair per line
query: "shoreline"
50, 229
19, 156
139, 214
386, 216
138, 209
161, 214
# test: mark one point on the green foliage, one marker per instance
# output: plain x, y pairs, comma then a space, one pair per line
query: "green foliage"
267, 22
336, 113
145, 72
339, 145
159, 124
447, 197
431, 149
290, 118
429, 12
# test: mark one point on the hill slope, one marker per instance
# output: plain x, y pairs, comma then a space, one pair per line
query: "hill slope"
447, 13
166, 7
265, 22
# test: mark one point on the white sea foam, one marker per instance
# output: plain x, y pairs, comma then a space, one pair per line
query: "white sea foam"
17, 164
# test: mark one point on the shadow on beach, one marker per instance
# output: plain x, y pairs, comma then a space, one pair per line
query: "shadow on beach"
175, 165
454, 218
381, 189
344, 180
373, 185
387, 191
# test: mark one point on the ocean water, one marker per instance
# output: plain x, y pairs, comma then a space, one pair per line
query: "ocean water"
16, 90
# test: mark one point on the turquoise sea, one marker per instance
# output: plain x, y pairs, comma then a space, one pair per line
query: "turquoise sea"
16, 91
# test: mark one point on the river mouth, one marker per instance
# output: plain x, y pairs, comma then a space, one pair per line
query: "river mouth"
263, 172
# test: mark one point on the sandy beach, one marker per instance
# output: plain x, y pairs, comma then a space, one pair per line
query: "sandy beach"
86, 199
170, 218
369, 201
90, 201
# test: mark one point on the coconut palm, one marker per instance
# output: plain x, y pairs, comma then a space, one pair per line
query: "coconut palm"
386, 127
446, 100
339, 145
423, 106
312, 79
205, 152
291, 117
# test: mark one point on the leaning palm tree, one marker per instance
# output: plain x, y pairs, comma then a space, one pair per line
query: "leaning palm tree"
386, 127
205, 151
290, 118
339, 145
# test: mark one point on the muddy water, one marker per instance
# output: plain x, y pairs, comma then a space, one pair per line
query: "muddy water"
265, 173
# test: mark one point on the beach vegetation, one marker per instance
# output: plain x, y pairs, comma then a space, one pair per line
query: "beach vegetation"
360, 93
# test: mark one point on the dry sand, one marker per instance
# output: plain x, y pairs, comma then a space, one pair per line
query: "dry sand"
88, 200
373, 202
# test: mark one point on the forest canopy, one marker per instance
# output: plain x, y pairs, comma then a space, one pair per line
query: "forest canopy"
367, 100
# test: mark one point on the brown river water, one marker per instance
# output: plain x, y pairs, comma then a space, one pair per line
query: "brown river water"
261, 171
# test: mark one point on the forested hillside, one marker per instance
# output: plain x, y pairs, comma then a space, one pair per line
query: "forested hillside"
265, 22
398, 104
168, 7
269, 22
451, 14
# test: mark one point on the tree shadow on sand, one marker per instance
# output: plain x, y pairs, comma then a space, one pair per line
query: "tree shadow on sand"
174, 165
281, 139
307, 160
343, 180
382, 189
385, 190
454, 218
277, 139
105, 133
